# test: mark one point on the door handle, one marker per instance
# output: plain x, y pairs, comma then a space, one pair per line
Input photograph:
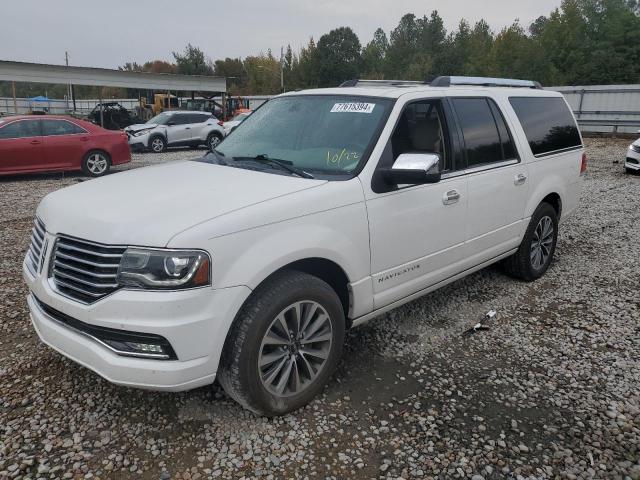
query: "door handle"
35, 142
520, 179
450, 197
84, 139
187, 128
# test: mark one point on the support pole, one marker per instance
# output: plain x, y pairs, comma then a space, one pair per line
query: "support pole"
15, 102
101, 113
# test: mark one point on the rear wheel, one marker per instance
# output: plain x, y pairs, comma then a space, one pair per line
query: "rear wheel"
535, 253
284, 345
157, 144
213, 140
96, 163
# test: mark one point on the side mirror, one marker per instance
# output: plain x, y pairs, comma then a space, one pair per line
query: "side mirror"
414, 169
170, 124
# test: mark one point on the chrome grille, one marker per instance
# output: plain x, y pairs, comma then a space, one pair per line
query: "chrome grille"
85, 271
37, 248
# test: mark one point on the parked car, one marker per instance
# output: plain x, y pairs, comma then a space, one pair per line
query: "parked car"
328, 208
632, 162
234, 122
55, 143
174, 129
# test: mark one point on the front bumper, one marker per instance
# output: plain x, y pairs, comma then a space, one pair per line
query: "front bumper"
194, 322
138, 143
633, 160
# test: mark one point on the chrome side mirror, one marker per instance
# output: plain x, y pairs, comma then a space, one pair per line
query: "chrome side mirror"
414, 169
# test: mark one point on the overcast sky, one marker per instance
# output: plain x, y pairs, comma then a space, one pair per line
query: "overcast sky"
110, 33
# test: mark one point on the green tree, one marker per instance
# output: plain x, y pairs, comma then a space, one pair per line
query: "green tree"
338, 57
373, 55
192, 61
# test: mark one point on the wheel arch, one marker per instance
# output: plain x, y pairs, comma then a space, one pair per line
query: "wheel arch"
327, 271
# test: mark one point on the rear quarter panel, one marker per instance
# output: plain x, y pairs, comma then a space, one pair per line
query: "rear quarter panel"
557, 173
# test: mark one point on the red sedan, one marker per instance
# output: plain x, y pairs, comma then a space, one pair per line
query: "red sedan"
52, 143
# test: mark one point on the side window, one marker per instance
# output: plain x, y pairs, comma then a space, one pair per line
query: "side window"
202, 117
60, 127
421, 129
547, 124
20, 129
182, 119
486, 137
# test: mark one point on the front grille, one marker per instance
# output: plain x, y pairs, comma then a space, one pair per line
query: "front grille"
85, 271
632, 160
37, 248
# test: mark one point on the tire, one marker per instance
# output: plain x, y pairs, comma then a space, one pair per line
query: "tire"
96, 163
213, 140
525, 264
157, 144
256, 387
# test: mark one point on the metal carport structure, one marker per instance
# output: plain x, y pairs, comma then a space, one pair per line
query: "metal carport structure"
66, 75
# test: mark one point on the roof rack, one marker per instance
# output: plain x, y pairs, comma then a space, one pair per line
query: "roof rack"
485, 82
381, 83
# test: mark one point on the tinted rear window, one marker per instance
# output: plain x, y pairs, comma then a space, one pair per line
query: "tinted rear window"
547, 123
486, 136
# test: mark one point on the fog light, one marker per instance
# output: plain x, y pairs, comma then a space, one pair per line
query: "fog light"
136, 349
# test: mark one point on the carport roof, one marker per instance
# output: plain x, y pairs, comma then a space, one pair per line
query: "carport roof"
43, 73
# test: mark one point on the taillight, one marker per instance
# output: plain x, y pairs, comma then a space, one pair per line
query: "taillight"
583, 164
220, 122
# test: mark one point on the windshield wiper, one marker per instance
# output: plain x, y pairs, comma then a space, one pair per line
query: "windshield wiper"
282, 164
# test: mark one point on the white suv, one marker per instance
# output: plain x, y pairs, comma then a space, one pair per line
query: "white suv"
176, 129
324, 209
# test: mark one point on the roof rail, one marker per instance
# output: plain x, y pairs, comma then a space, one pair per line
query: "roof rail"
485, 82
381, 83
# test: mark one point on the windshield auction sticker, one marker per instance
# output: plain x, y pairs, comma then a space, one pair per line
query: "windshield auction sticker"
353, 107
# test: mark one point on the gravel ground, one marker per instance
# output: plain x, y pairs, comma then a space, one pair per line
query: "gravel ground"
551, 390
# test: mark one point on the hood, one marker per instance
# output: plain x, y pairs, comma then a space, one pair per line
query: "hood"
140, 126
636, 143
148, 206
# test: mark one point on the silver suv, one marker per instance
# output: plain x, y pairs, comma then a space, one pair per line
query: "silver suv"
176, 129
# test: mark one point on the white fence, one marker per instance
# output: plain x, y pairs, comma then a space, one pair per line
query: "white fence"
604, 108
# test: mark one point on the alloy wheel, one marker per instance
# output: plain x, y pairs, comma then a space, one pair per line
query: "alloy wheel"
97, 163
157, 145
295, 348
214, 141
541, 243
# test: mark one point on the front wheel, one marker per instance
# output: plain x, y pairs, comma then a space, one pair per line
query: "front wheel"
157, 144
535, 253
96, 164
284, 345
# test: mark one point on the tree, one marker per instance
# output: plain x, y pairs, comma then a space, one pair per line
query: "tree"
233, 70
192, 61
338, 56
373, 56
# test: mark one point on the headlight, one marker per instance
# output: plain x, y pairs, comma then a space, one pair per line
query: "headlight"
164, 269
141, 132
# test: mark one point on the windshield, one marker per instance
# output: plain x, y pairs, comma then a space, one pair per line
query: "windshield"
239, 117
161, 119
317, 133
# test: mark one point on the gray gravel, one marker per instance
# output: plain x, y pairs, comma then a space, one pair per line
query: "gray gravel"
552, 390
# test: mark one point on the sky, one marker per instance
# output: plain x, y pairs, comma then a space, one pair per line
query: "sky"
111, 33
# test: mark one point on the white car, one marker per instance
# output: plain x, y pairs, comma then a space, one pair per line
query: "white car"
326, 209
632, 162
176, 129
234, 122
